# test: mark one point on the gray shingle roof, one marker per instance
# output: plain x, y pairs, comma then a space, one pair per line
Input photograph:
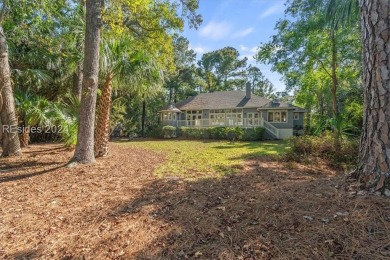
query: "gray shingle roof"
282, 105
170, 108
226, 100
221, 100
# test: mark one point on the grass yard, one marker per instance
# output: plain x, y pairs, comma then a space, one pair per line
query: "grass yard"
197, 159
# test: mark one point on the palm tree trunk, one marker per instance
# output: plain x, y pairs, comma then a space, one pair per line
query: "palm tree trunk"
85, 152
102, 133
374, 169
25, 137
10, 144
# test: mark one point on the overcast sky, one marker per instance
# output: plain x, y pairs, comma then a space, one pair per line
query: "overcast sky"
242, 24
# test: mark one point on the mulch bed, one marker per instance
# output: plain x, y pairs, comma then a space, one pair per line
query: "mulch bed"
117, 209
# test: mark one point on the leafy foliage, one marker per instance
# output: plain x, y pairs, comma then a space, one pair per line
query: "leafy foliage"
319, 60
305, 148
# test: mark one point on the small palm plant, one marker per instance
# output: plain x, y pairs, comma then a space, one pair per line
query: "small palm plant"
60, 118
33, 111
65, 115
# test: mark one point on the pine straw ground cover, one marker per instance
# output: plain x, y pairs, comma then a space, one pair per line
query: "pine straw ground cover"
119, 209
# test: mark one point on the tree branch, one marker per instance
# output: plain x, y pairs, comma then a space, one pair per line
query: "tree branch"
323, 66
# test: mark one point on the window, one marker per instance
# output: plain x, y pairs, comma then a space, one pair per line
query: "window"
222, 117
277, 116
253, 119
296, 116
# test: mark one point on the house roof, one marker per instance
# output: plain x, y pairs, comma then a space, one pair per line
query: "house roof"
170, 108
281, 105
226, 100
221, 100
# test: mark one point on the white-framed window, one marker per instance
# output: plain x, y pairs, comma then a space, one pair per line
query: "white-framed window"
296, 116
223, 117
165, 116
253, 118
277, 116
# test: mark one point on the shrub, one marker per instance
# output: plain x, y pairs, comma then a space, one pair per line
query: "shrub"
196, 133
217, 133
323, 147
184, 131
253, 134
259, 133
156, 132
169, 131
223, 133
234, 133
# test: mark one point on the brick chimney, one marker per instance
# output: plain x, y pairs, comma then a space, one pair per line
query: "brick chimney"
248, 90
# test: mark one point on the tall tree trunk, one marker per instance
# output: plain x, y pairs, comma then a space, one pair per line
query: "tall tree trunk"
102, 134
78, 81
170, 94
335, 85
143, 115
335, 82
374, 169
10, 144
84, 152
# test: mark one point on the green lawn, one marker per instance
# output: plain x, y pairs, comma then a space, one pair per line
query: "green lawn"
197, 159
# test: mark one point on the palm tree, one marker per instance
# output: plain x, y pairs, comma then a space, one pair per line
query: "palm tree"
124, 68
32, 111
65, 115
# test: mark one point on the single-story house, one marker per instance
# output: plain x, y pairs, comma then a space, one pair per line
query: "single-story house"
235, 108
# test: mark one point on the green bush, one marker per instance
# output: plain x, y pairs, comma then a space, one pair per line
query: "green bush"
234, 133
183, 131
156, 132
192, 133
223, 133
169, 131
217, 133
253, 134
324, 147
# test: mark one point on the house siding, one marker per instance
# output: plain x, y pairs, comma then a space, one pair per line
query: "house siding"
288, 125
299, 123
249, 110
285, 129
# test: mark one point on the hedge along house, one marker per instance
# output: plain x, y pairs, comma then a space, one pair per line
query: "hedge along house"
235, 108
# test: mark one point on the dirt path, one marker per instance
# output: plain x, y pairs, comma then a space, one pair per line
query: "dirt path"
117, 209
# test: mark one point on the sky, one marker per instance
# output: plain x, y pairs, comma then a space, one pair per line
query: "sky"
242, 24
